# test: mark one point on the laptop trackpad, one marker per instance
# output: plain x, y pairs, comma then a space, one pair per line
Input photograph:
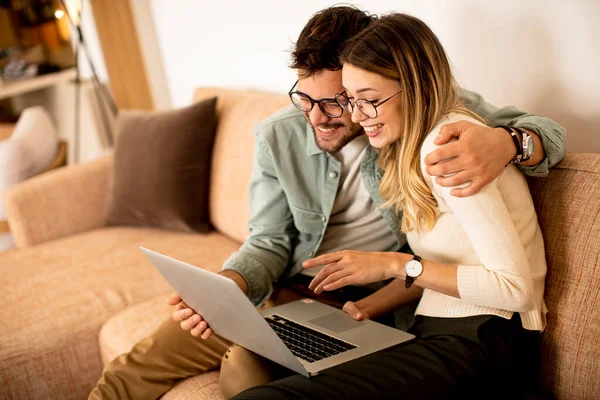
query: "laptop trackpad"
336, 322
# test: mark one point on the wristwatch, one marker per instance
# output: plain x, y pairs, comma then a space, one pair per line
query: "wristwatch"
413, 269
526, 144
519, 156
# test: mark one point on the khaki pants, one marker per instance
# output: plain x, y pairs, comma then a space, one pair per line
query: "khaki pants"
171, 354
158, 362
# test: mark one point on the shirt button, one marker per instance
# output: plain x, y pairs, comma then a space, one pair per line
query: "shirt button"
333, 174
312, 253
324, 219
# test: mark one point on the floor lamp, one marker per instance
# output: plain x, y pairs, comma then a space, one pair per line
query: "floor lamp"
103, 97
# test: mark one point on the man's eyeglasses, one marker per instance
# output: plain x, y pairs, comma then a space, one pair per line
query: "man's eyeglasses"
305, 103
367, 107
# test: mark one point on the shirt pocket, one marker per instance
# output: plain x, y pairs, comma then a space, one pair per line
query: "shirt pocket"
306, 221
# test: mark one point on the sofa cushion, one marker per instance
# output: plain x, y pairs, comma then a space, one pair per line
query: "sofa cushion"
79, 282
201, 387
568, 207
238, 112
161, 168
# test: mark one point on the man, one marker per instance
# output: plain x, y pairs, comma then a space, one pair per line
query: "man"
314, 189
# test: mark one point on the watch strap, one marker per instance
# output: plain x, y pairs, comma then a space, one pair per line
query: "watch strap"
524, 138
518, 145
521, 131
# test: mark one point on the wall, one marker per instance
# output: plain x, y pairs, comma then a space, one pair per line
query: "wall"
541, 56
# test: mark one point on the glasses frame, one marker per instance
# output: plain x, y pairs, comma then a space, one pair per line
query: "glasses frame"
313, 102
351, 104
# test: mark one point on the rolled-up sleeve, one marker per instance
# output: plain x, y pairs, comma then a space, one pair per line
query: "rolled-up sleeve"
552, 135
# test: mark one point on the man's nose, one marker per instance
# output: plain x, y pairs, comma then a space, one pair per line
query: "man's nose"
317, 116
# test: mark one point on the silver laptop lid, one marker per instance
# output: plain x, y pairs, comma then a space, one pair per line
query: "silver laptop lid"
225, 307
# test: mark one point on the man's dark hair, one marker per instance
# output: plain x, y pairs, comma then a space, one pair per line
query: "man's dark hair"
323, 38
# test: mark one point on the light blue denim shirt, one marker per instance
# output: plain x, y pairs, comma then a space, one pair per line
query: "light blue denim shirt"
292, 191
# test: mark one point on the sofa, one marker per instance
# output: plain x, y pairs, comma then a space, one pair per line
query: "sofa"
76, 293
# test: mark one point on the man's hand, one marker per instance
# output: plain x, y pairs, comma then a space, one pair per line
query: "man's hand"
478, 156
189, 320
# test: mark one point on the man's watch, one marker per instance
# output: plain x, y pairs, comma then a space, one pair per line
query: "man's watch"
413, 269
527, 149
518, 146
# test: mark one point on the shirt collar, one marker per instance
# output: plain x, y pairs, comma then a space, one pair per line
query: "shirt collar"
370, 155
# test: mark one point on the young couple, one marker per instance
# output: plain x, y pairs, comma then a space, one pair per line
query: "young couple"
340, 188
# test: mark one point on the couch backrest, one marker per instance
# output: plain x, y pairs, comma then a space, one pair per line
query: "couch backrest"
238, 112
568, 208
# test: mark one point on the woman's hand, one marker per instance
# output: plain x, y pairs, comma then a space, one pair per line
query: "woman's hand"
349, 267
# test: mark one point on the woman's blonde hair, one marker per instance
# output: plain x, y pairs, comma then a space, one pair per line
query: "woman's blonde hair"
403, 48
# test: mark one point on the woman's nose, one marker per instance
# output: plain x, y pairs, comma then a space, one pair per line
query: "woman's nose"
357, 115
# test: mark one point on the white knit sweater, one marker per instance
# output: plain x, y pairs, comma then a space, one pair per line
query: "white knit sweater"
495, 240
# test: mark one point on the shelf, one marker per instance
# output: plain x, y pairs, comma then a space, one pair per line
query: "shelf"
37, 83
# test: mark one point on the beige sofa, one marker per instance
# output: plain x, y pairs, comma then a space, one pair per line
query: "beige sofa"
77, 293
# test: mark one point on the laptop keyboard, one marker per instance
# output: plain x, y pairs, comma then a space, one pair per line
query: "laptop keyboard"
306, 343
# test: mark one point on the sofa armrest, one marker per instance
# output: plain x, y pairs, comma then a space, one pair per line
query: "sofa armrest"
59, 203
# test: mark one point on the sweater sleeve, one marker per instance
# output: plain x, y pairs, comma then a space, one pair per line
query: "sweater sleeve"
503, 278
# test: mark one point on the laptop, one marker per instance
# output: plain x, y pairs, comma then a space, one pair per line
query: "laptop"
305, 336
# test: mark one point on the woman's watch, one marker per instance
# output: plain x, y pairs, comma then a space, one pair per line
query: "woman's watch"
413, 269
527, 149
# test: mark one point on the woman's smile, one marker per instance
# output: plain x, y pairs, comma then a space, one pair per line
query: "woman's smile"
373, 130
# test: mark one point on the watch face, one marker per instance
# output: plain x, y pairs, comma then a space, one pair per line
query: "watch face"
413, 268
529, 147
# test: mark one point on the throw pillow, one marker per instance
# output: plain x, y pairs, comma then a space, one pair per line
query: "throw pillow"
161, 168
29, 150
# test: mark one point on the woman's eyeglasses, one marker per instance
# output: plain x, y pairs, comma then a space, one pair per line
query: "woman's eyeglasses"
367, 107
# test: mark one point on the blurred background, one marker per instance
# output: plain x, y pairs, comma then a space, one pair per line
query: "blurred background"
35, 39
539, 55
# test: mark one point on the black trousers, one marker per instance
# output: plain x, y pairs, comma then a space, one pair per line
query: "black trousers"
451, 358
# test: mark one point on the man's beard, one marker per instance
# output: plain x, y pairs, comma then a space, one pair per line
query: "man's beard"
340, 142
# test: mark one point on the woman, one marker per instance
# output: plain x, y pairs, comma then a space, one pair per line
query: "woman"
479, 260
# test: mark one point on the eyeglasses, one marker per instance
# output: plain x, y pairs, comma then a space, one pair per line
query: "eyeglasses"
305, 103
367, 107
